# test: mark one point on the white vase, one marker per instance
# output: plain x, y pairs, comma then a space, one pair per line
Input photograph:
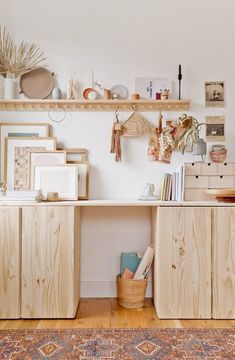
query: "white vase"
10, 87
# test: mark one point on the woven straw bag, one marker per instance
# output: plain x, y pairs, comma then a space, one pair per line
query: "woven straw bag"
136, 125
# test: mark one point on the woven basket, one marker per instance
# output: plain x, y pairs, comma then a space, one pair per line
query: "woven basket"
136, 125
131, 293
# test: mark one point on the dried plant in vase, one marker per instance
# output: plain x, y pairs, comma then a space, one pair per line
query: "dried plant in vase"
16, 60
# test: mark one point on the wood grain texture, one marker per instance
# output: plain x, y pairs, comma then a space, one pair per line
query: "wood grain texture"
10, 242
223, 263
182, 286
49, 245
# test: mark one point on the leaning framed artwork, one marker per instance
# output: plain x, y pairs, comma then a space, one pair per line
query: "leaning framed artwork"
19, 130
44, 158
17, 150
59, 178
83, 178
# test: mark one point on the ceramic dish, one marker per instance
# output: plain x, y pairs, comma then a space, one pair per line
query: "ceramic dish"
86, 93
37, 84
119, 91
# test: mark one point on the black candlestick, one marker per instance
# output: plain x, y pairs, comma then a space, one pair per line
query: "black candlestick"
180, 78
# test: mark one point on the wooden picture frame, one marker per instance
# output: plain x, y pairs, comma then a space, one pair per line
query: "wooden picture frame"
75, 154
22, 144
19, 130
83, 179
43, 158
58, 178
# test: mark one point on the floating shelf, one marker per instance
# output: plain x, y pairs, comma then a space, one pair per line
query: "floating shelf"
94, 105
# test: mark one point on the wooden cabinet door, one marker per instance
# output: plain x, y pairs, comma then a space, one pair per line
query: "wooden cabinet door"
50, 261
223, 260
182, 281
10, 239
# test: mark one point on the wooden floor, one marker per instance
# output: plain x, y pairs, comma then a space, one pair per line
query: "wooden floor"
106, 313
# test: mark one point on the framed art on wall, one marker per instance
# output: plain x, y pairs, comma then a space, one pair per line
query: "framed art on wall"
17, 150
60, 178
83, 178
42, 158
214, 93
215, 128
19, 130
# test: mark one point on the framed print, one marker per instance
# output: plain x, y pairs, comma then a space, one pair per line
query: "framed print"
60, 178
19, 130
75, 154
214, 93
42, 158
215, 128
83, 178
17, 150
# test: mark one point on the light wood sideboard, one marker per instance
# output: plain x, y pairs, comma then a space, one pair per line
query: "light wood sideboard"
194, 272
40, 275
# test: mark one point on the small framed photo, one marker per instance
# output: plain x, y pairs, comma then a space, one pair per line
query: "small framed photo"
44, 158
214, 93
215, 128
17, 164
19, 130
59, 178
83, 178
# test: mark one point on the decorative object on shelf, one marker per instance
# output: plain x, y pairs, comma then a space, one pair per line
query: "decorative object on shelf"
148, 193
37, 84
56, 93
59, 178
136, 125
135, 96
218, 153
69, 93
107, 94
200, 148
215, 128
13, 146
11, 86
17, 59
214, 93
119, 92
116, 137
19, 130
180, 78
41, 158
164, 94
90, 94
52, 196
149, 87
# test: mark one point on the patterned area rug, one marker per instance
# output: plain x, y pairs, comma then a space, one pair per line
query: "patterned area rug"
128, 344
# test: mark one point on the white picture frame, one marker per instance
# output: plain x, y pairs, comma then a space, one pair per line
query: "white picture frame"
60, 178
44, 158
11, 143
19, 130
83, 178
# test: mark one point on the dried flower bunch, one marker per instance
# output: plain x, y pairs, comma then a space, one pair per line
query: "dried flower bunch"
15, 59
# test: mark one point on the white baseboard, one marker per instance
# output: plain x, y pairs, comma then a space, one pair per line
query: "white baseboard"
104, 289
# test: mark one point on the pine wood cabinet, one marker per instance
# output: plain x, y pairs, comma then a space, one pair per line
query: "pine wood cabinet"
223, 258
50, 262
10, 242
182, 285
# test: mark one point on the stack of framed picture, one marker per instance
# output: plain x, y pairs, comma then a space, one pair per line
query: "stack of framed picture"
29, 160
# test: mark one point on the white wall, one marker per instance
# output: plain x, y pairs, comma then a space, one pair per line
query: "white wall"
123, 39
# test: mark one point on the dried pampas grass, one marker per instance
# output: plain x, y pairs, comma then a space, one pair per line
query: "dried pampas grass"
17, 60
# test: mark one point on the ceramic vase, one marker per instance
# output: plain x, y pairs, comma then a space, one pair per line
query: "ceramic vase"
10, 87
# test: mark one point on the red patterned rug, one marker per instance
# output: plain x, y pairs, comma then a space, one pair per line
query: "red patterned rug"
128, 344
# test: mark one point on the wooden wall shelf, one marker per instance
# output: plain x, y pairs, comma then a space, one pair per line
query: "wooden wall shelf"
94, 105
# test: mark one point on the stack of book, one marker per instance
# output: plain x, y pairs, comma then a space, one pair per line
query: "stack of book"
133, 266
172, 186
